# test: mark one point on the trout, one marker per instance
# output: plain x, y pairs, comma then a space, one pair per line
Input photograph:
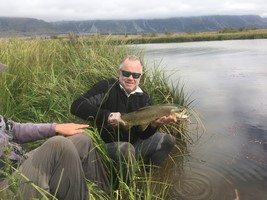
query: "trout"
144, 116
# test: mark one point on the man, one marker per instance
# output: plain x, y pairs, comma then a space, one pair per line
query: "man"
59, 166
104, 103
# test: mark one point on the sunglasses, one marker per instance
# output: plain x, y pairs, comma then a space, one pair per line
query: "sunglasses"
128, 74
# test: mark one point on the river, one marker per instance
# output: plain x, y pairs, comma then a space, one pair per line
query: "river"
228, 82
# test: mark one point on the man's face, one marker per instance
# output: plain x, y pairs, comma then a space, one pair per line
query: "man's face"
131, 82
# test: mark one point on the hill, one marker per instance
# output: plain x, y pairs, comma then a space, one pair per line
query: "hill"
12, 26
171, 25
33, 27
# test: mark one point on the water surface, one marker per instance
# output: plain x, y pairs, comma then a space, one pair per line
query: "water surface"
228, 82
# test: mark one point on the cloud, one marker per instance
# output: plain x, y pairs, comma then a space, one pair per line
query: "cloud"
55, 10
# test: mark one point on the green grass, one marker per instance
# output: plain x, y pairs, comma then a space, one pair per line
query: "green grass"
45, 76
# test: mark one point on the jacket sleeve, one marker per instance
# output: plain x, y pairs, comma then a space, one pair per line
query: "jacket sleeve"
3, 141
88, 106
28, 132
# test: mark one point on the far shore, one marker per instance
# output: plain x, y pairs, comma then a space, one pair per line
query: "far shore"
146, 38
230, 34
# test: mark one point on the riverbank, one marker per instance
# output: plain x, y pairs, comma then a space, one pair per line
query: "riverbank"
226, 34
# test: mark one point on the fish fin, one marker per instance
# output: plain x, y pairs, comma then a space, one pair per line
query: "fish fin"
127, 126
144, 108
123, 123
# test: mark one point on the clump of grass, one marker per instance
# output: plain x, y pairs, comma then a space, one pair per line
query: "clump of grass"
143, 184
45, 76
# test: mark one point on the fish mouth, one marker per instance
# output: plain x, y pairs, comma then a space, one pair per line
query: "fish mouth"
180, 115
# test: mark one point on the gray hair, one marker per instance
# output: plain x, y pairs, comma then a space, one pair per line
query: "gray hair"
132, 58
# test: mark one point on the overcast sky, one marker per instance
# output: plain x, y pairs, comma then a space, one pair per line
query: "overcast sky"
57, 10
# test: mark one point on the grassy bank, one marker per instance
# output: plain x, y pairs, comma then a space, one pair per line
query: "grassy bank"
225, 34
45, 76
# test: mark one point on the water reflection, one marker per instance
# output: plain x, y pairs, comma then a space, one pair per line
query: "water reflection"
228, 81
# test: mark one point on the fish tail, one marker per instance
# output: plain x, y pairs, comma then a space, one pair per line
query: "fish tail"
125, 124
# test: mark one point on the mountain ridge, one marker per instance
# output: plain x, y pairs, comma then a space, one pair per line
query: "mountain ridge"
14, 26
30, 26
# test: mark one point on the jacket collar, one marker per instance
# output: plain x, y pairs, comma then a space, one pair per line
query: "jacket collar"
137, 90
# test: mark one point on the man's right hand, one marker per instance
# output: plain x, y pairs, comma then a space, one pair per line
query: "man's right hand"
114, 118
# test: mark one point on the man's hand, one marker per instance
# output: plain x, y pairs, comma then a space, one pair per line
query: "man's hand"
70, 128
163, 120
114, 118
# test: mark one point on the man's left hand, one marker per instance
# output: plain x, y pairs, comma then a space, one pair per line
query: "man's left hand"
70, 128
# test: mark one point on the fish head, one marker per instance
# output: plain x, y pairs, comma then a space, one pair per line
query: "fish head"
178, 112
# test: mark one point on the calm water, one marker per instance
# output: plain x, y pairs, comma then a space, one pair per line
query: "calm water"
228, 81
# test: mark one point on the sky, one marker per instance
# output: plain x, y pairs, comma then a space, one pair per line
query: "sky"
58, 10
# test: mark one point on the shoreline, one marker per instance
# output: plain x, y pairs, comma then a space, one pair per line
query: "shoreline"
193, 37
225, 34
